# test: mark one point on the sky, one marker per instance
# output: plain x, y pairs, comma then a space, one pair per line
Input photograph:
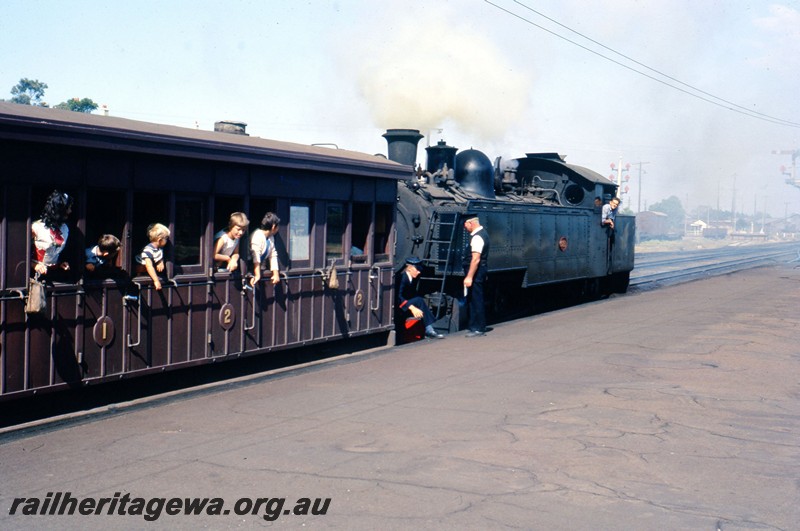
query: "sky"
494, 75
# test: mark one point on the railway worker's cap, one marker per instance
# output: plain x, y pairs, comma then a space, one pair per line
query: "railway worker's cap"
471, 217
414, 261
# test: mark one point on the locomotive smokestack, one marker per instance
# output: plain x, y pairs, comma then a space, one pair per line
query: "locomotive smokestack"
403, 145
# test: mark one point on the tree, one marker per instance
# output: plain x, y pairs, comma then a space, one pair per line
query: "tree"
78, 105
673, 208
29, 92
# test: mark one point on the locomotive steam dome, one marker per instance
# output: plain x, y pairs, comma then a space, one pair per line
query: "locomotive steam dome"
474, 172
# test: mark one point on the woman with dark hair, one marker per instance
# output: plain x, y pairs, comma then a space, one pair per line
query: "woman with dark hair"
50, 233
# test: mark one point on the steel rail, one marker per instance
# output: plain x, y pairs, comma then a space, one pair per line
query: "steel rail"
702, 270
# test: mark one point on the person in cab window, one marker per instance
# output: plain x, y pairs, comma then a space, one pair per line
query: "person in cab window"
608, 217
262, 248
609, 213
50, 233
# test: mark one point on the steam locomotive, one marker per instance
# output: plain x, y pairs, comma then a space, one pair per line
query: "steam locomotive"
348, 221
540, 213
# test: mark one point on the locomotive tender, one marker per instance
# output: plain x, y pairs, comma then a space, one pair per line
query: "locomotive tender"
361, 213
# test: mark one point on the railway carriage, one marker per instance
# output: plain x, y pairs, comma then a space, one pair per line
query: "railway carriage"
337, 209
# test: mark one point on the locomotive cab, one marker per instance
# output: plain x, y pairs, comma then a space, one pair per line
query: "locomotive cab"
547, 175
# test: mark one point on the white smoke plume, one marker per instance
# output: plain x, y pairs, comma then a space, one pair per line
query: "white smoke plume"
430, 71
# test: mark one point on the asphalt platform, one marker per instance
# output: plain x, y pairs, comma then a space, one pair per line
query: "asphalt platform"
676, 408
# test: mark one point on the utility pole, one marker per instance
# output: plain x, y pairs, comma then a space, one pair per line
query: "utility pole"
430, 134
686, 214
619, 169
733, 203
639, 204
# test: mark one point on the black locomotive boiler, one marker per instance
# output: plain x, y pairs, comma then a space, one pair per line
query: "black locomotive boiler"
540, 213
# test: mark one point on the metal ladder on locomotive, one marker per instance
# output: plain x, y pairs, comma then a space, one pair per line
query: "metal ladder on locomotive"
439, 222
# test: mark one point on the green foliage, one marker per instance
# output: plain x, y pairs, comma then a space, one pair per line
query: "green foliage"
78, 105
29, 92
673, 208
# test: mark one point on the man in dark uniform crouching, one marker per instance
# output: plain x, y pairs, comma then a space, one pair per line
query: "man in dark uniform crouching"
409, 300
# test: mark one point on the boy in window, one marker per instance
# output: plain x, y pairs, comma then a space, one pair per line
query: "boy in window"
151, 258
226, 250
102, 255
262, 247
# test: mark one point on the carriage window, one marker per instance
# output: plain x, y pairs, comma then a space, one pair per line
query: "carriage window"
223, 208
147, 209
259, 207
383, 232
105, 214
334, 231
362, 221
300, 232
189, 230
72, 252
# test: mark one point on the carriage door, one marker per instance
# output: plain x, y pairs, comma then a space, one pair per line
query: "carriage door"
383, 269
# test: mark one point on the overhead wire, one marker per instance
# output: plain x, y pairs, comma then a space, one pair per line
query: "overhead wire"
650, 68
725, 104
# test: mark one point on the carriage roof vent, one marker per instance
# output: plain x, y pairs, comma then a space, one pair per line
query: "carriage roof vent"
229, 126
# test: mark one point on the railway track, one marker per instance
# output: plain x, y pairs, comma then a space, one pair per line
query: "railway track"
655, 269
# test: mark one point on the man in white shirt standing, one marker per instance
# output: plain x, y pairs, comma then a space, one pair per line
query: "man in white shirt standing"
476, 270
